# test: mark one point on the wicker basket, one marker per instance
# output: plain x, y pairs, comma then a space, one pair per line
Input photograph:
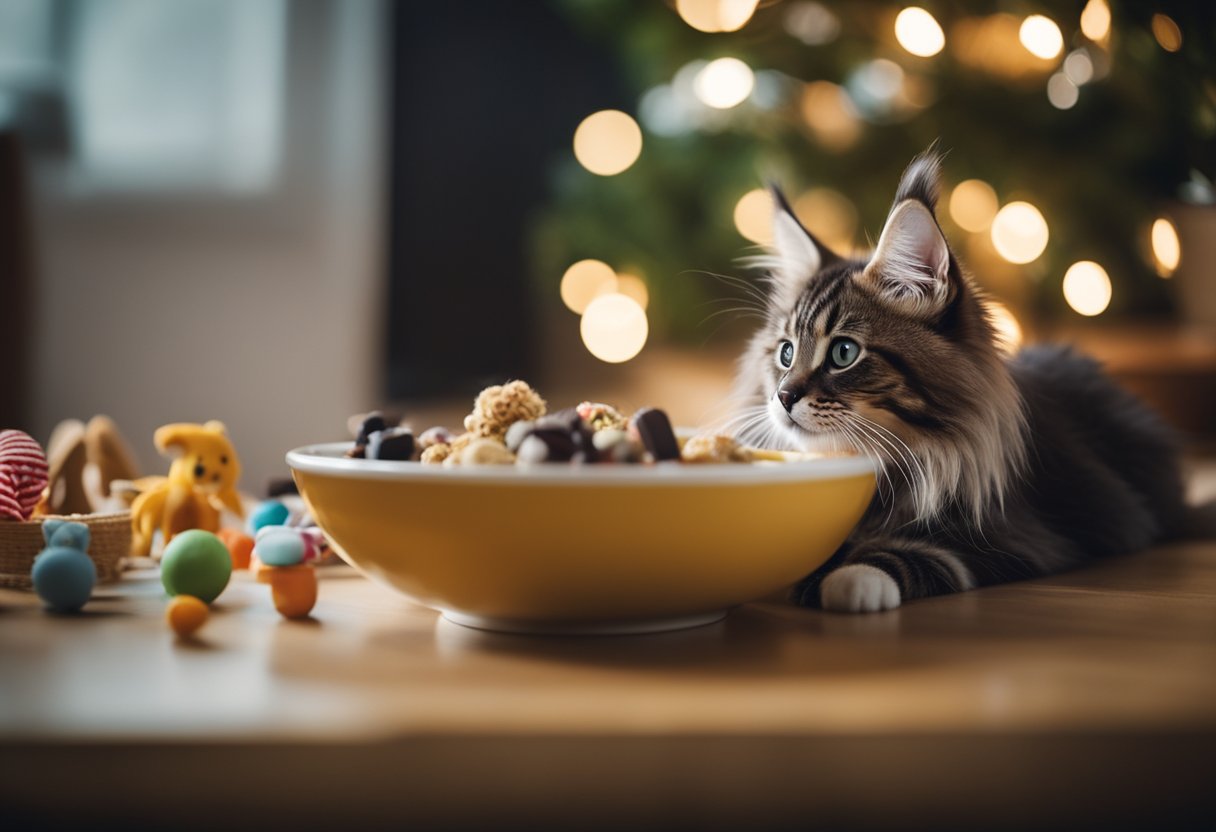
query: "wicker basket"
20, 543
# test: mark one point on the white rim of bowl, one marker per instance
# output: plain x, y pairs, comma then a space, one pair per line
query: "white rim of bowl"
326, 459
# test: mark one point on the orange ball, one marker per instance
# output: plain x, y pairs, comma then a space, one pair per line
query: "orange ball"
292, 588
240, 547
186, 614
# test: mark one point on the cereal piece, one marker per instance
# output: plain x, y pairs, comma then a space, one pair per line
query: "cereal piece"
601, 416
496, 408
436, 453
482, 452
654, 430
437, 435
714, 449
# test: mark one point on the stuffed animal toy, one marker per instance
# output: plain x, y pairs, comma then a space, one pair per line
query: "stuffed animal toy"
201, 484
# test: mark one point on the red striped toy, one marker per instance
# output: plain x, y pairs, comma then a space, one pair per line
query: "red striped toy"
23, 474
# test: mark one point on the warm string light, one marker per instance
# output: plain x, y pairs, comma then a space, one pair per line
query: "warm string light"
607, 142
584, 281
1041, 37
973, 204
1167, 249
1019, 233
830, 114
716, 15
1095, 20
830, 216
1087, 288
919, 32
614, 327
754, 216
1167, 33
724, 83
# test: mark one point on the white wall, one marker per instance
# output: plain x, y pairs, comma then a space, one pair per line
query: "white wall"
261, 311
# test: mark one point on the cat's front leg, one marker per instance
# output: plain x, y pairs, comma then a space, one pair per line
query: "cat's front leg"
880, 574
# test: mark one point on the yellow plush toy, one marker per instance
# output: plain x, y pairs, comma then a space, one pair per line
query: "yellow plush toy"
201, 483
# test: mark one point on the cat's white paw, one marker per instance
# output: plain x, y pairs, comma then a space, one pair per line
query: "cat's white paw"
859, 588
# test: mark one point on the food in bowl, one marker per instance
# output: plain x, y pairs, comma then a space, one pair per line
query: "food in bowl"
615, 537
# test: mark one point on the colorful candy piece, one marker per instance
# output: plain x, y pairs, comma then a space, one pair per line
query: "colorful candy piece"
197, 563
239, 546
437, 435
185, 614
654, 430
63, 575
601, 416
292, 588
23, 474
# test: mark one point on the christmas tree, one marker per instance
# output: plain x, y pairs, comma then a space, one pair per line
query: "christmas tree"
1070, 130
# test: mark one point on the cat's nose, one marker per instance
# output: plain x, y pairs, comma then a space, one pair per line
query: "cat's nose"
788, 398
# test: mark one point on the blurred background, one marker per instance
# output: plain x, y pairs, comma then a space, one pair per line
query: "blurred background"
281, 212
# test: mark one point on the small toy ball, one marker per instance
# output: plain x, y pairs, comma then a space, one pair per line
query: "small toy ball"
197, 563
23, 474
269, 513
63, 575
186, 614
239, 545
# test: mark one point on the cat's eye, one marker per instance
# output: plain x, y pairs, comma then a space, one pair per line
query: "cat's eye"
843, 352
785, 354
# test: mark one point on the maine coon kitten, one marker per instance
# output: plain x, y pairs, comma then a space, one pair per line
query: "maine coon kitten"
995, 469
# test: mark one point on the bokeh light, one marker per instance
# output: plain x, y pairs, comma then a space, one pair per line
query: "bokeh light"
1167, 249
919, 32
716, 15
614, 328
724, 83
830, 216
634, 287
1079, 67
1062, 92
1095, 20
1008, 330
607, 142
1087, 288
1019, 232
973, 204
584, 281
830, 114
754, 216
812, 23
1041, 37
1167, 33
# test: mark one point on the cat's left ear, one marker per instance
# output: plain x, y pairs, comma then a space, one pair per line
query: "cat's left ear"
796, 255
911, 264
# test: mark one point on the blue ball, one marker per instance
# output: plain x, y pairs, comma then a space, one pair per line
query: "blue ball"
64, 578
269, 513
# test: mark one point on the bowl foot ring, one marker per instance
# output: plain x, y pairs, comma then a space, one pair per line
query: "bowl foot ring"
583, 628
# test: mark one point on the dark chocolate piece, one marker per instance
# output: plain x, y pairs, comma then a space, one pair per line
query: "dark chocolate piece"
372, 422
658, 438
391, 443
559, 444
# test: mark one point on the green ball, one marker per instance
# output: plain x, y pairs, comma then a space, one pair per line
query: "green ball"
196, 563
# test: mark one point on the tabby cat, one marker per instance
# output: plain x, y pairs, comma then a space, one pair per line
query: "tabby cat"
993, 468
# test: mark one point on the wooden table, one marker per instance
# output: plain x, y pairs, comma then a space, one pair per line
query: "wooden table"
1085, 700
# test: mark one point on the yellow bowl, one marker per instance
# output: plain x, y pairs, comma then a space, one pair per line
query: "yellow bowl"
563, 548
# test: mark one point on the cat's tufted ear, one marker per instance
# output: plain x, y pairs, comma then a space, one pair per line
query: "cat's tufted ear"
796, 256
911, 264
